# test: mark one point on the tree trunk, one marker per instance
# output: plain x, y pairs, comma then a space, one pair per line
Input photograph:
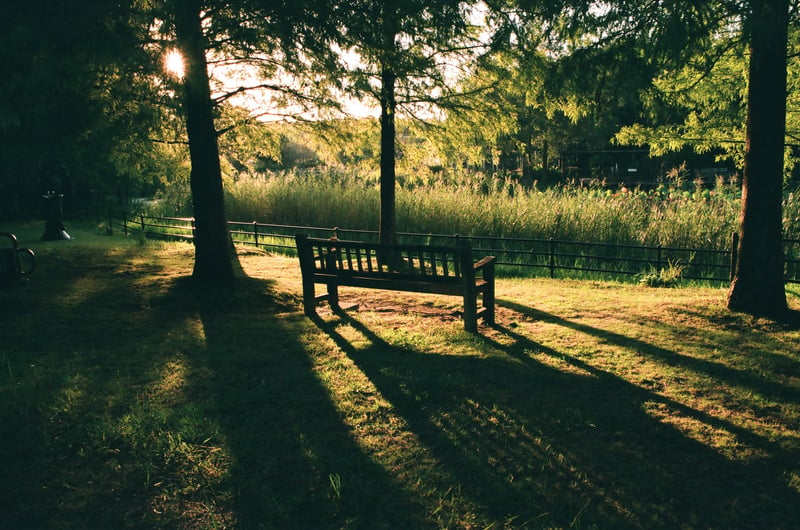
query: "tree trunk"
545, 159
758, 287
212, 262
388, 215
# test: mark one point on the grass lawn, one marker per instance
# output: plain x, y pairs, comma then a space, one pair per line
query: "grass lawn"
130, 400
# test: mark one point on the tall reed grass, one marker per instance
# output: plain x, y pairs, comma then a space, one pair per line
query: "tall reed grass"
692, 217
305, 198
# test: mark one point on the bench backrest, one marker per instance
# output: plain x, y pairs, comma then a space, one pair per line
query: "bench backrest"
420, 262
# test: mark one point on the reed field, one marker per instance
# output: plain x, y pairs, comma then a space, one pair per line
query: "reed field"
676, 230
675, 214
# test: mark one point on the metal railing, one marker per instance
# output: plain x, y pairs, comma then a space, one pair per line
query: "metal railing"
555, 258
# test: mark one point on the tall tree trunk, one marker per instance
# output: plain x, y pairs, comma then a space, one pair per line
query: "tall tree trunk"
758, 287
212, 262
388, 215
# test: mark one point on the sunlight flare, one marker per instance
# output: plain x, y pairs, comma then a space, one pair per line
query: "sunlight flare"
174, 63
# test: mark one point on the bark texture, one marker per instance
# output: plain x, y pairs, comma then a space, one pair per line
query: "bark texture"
758, 287
212, 264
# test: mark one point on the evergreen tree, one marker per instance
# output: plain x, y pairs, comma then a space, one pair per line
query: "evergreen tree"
402, 49
669, 33
212, 264
245, 32
77, 106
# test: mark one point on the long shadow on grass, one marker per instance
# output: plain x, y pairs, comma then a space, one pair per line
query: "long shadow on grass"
133, 400
294, 462
725, 374
537, 446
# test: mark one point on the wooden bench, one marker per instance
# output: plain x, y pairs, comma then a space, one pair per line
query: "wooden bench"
418, 268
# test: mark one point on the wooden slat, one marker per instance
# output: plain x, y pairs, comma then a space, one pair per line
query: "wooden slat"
369, 259
339, 261
349, 258
359, 262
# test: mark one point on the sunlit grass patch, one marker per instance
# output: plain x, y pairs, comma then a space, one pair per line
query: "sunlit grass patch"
721, 439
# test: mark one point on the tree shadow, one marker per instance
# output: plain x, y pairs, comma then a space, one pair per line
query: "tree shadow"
726, 374
66, 472
222, 375
538, 446
295, 463
525, 442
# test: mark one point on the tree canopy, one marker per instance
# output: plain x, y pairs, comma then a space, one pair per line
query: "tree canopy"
78, 108
401, 54
93, 113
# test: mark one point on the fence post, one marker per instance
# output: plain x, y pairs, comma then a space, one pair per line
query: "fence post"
141, 218
552, 258
192, 221
734, 254
658, 258
125, 223
255, 232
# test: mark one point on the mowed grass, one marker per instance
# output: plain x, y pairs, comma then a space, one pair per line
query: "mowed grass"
129, 399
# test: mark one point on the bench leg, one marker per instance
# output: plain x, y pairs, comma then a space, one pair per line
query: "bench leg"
333, 296
470, 311
488, 303
309, 298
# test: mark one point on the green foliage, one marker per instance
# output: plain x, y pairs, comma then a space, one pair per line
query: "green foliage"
417, 41
668, 276
345, 145
348, 142
247, 146
78, 107
514, 120
700, 105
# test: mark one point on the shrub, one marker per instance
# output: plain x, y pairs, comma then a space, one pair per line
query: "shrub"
668, 276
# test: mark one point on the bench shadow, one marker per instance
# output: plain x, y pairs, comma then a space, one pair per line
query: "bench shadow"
533, 445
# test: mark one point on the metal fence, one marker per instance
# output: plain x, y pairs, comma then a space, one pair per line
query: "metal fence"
551, 257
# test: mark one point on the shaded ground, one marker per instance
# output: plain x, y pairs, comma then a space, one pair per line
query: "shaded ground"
131, 400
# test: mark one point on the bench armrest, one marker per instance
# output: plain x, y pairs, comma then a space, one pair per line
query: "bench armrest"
11, 238
484, 262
